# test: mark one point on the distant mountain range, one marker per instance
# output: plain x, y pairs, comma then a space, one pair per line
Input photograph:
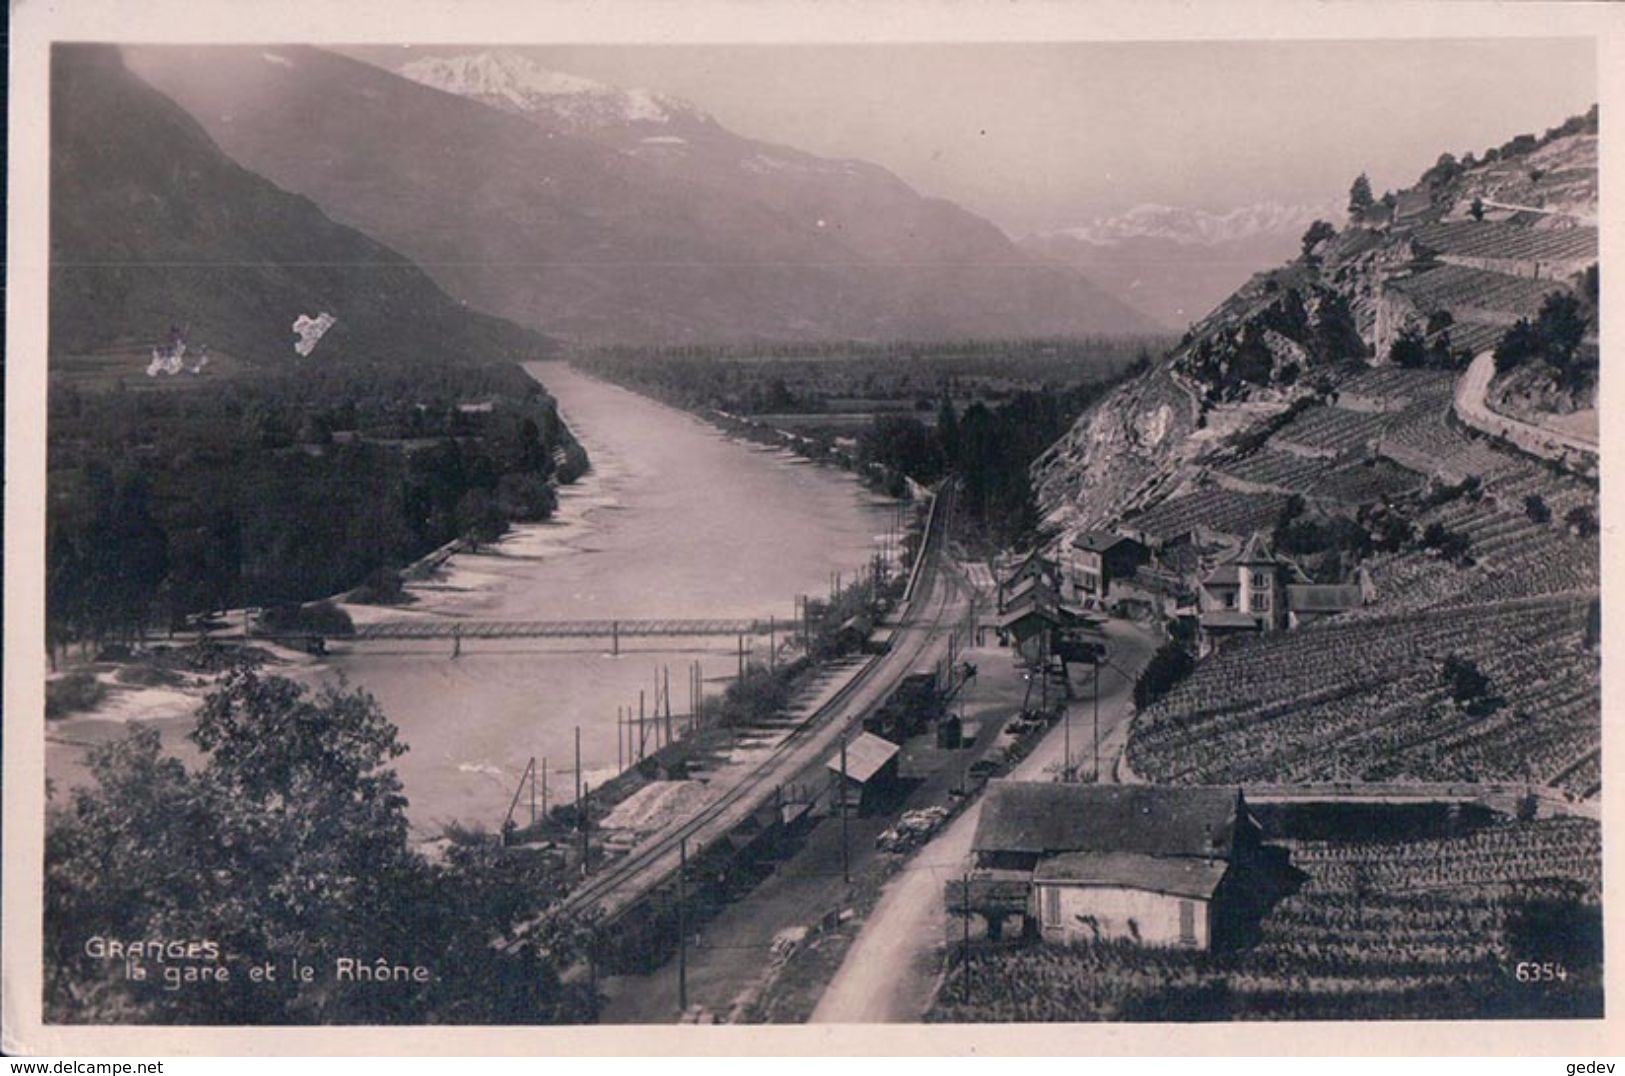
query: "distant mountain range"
611, 215
1174, 263
156, 233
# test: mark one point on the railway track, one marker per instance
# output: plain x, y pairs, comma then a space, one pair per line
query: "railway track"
622, 884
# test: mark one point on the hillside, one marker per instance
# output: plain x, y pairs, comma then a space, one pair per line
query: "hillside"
1417, 264
604, 215
154, 230
1336, 406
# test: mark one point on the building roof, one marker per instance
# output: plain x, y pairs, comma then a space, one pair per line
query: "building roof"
1033, 563
1256, 551
1046, 613
1225, 575
1047, 818
1229, 618
1178, 876
865, 756
1099, 541
1324, 598
1028, 585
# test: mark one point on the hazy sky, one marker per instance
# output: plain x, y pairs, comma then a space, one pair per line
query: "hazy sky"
1046, 135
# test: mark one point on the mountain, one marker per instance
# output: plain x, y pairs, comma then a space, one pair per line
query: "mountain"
1175, 263
608, 215
1430, 276
153, 227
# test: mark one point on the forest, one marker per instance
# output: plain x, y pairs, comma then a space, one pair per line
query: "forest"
281, 487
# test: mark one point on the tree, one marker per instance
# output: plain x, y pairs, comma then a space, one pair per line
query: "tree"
289, 840
1534, 506
1561, 327
948, 430
1318, 232
480, 518
1476, 209
1360, 198
1518, 344
1409, 349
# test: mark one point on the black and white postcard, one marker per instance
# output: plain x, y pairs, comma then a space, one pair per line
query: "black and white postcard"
576, 520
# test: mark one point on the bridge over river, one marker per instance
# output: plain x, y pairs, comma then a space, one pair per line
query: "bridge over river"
426, 628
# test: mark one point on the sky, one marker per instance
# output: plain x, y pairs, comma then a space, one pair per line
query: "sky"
1041, 136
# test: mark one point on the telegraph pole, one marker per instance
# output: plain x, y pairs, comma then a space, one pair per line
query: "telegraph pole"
533, 792
578, 771
964, 945
682, 926
544, 786
846, 856
586, 848
1097, 718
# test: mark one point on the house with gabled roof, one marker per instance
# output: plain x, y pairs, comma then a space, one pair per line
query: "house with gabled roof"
1157, 865
1253, 590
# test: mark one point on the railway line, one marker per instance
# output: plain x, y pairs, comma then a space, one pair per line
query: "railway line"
622, 884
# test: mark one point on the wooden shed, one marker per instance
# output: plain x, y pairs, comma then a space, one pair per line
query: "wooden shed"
871, 771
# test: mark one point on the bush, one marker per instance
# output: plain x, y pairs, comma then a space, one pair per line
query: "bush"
382, 586
1535, 508
72, 693
317, 618
1170, 664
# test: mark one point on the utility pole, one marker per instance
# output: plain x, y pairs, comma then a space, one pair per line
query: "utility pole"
533, 792
642, 729
578, 772
964, 944
1097, 718
544, 786
846, 855
741, 657
581, 820
682, 926
620, 743
666, 673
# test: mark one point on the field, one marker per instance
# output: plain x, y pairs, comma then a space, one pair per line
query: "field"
847, 383
1416, 930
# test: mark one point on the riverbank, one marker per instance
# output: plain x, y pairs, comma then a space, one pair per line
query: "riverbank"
674, 520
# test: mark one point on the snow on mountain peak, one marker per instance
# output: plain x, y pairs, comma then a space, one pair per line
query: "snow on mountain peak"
1197, 227
519, 84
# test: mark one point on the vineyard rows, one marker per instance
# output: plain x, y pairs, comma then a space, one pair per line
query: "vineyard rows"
1220, 510
1364, 699
1453, 287
1334, 429
1354, 483
1399, 383
1489, 239
1428, 929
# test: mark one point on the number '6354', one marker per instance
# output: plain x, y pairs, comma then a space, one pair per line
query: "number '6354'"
1528, 971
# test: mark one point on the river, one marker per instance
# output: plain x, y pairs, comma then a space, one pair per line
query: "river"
674, 520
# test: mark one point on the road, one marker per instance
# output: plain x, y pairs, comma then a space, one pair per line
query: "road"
1472, 405
889, 974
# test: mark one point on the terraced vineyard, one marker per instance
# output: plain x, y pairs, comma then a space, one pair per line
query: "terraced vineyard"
1458, 287
1509, 242
1220, 510
1357, 482
1334, 430
1431, 929
1365, 699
